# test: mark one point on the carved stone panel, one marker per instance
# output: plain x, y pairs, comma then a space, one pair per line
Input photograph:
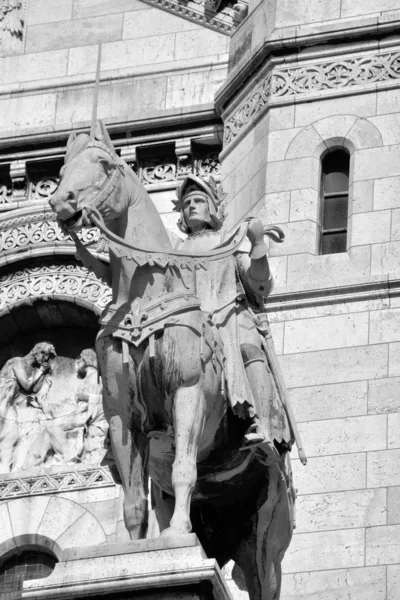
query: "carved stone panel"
51, 411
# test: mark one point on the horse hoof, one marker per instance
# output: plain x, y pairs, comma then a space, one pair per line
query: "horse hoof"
175, 532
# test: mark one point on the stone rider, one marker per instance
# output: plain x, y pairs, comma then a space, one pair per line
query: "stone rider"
232, 292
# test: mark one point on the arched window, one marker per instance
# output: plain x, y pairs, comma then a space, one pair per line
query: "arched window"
29, 564
335, 201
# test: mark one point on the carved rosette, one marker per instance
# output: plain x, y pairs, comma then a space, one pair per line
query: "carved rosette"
44, 189
55, 280
161, 171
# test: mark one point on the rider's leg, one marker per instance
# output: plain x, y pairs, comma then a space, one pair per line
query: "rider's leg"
189, 418
129, 447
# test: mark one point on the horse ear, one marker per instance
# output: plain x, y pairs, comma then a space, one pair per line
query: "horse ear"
71, 139
102, 135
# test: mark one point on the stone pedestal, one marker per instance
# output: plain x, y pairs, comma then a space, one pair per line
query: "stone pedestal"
157, 569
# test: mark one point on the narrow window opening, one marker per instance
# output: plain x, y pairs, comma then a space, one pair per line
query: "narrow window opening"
335, 202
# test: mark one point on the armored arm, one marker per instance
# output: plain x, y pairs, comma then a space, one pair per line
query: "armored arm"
253, 266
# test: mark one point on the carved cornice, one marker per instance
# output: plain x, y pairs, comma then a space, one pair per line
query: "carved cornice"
306, 80
197, 11
56, 280
51, 483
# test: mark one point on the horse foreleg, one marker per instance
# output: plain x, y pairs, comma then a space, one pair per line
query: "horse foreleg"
188, 417
260, 554
130, 454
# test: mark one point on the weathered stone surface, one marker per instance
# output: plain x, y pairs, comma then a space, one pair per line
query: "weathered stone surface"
275, 208
154, 22
279, 142
370, 228
190, 89
362, 194
84, 528
325, 550
385, 326
360, 106
293, 174
48, 11
94, 8
394, 356
333, 366
349, 9
383, 468
27, 112
393, 582
64, 34
329, 269
393, 506
301, 236
385, 258
330, 401
341, 436
30, 67
304, 205
382, 545
365, 583
386, 192
393, 430
280, 117
374, 163
323, 333
200, 43
383, 395
306, 12
341, 510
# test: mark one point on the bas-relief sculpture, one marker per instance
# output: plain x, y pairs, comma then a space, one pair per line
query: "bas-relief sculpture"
192, 390
50, 410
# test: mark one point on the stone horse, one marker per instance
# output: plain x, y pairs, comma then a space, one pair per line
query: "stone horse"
161, 364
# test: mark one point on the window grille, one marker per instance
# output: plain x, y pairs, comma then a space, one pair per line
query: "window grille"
335, 201
21, 567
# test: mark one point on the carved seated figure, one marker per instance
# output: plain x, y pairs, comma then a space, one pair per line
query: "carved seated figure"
22, 379
232, 292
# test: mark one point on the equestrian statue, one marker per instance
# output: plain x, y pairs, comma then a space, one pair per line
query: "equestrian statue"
192, 389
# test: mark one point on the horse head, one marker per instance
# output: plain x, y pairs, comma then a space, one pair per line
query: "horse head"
91, 172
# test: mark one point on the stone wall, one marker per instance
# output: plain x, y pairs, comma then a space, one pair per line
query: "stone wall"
335, 318
154, 63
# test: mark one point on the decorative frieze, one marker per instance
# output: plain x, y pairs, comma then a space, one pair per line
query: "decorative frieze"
39, 228
311, 79
158, 171
50, 483
57, 280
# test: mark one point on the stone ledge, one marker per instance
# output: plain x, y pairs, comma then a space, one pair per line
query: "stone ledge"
147, 566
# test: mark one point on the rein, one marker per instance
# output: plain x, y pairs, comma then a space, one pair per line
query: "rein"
180, 259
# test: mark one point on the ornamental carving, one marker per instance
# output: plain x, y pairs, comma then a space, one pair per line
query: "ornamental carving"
48, 483
12, 20
307, 79
56, 279
44, 189
208, 165
38, 229
160, 172
5, 193
51, 410
198, 11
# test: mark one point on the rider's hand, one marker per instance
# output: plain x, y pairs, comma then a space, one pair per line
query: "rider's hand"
255, 231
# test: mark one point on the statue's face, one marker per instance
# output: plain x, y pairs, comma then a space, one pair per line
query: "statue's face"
195, 210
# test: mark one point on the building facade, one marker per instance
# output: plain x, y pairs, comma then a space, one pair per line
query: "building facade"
294, 108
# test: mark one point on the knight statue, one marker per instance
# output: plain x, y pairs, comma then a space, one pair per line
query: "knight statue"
232, 292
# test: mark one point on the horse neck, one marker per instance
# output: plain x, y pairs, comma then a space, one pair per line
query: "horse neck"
141, 226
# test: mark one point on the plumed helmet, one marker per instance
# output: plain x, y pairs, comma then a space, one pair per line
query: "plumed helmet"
192, 183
